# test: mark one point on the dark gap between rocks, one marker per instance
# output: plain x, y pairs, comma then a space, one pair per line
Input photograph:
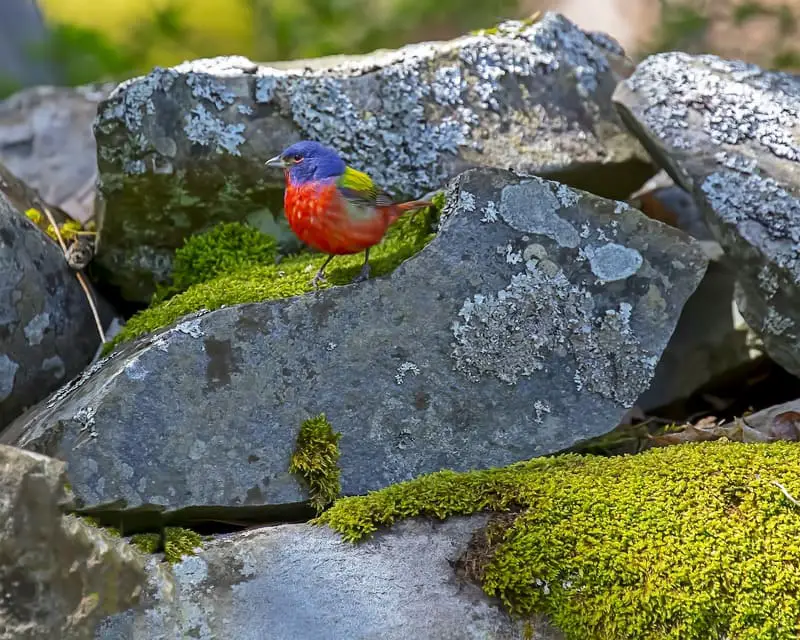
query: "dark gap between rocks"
203, 520
614, 182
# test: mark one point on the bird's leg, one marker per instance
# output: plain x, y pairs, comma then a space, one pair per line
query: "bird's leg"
364, 273
320, 277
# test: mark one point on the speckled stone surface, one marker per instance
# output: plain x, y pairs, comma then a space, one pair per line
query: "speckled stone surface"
58, 576
729, 132
47, 334
185, 147
533, 320
294, 582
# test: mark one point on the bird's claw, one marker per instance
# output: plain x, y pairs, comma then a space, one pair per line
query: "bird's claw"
363, 274
318, 280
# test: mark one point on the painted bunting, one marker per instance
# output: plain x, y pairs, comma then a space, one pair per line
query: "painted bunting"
334, 208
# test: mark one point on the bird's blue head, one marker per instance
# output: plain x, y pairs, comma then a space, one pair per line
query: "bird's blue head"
308, 161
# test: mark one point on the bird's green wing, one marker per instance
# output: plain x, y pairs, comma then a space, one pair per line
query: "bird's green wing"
360, 190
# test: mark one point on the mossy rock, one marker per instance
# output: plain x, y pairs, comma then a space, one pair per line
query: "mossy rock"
235, 263
687, 542
315, 458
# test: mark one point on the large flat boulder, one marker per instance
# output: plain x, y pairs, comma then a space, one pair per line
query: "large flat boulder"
534, 319
183, 148
47, 331
728, 132
58, 576
301, 581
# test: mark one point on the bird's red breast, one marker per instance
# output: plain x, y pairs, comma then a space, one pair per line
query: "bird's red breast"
318, 214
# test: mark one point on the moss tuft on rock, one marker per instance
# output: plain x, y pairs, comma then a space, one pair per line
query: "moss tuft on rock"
693, 542
316, 458
242, 278
226, 248
179, 542
147, 542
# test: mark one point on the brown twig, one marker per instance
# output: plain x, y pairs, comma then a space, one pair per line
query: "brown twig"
78, 275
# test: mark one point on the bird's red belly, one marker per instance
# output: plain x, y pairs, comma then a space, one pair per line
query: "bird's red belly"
322, 224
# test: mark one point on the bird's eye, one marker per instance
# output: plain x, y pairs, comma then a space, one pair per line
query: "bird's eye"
296, 159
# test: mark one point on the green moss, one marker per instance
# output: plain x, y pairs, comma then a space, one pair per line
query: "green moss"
259, 282
226, 248
315, 458
691, 542
35, 216
179, 542
147, 542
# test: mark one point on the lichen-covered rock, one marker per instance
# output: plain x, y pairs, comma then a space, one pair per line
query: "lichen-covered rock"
58, 576
47, 331
300, 581
728, 132
183, 148
532, 320
46, 140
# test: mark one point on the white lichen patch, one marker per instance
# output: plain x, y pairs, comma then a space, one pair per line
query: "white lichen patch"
202, 127
404, 369
776, 324
541, 319
612, 262
489, 212
541, 408
191, 328
36, 327
135, 370
532, 207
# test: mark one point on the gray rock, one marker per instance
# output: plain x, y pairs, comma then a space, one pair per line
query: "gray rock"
46, 140
727, 132
301, 581
532, 321
47, 333
707, 341
183, 148
58, 576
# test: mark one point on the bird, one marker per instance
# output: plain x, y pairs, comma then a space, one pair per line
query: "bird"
332, 207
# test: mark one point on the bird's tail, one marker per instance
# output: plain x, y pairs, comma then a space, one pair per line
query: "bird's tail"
413, 205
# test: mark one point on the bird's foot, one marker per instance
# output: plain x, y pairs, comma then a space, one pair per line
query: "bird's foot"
363, 274
318, 279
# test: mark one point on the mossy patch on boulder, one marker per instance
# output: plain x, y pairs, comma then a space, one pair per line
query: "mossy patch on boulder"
179, 542
146, 542
235, 263
695, 541
315, 458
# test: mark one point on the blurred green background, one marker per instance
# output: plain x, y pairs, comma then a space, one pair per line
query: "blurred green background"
89, 41
120, 38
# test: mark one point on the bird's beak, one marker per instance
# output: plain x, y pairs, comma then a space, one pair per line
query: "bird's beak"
277, 161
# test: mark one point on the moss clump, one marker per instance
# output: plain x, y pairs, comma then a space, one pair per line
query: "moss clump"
226, 248
179, 542
147, 542
35, 216
94, 522
691, 542
316, 458
259, 282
